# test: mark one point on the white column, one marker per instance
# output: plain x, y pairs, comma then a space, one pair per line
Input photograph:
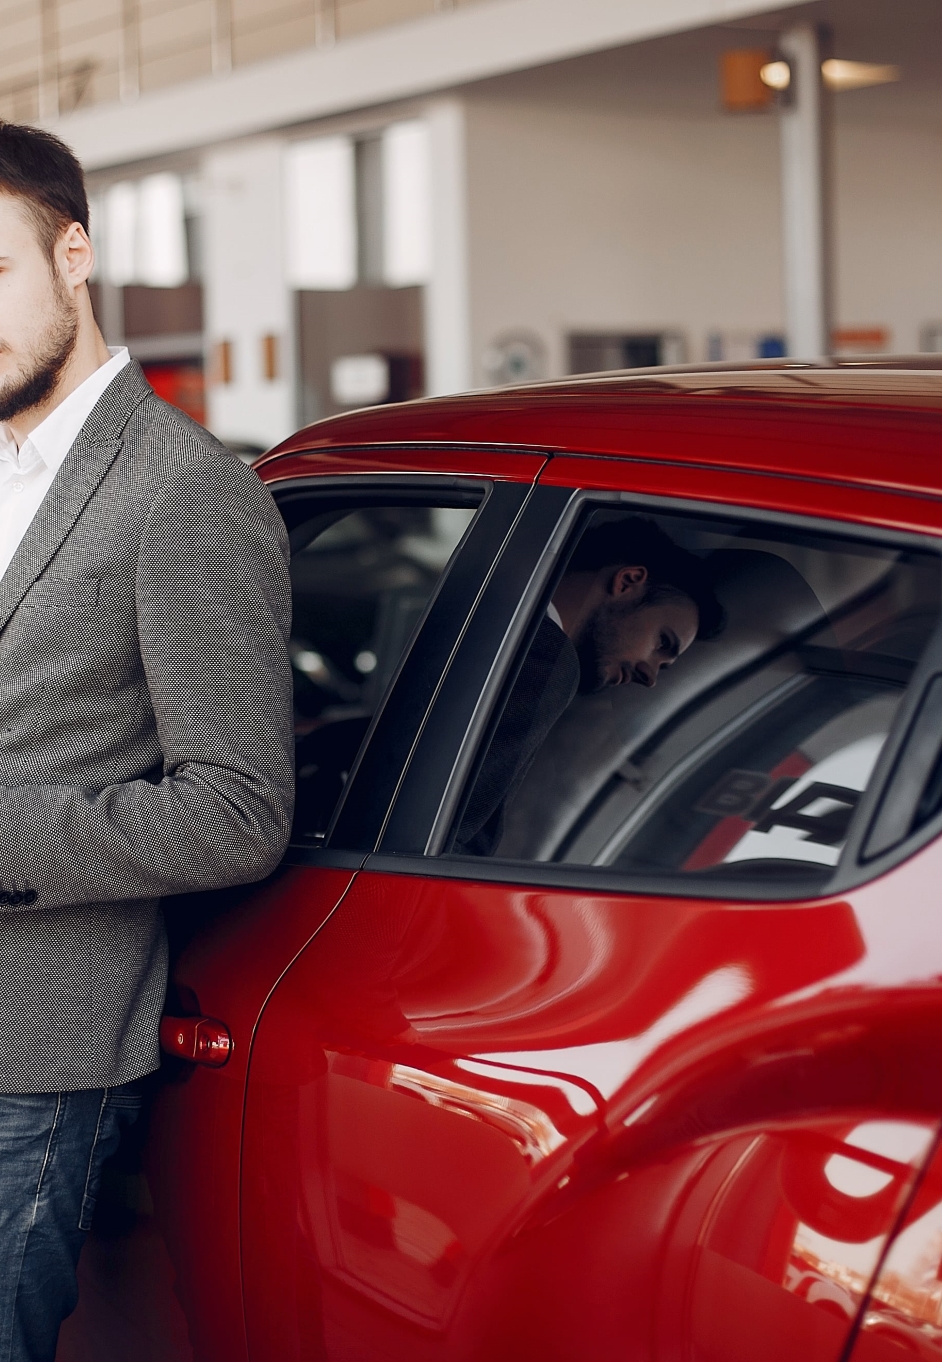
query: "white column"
245, 294
805, 226
447, 300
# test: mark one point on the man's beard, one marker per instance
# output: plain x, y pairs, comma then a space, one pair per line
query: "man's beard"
597, 642
21, 393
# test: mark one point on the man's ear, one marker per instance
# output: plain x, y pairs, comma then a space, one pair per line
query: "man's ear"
74, 255
628, 581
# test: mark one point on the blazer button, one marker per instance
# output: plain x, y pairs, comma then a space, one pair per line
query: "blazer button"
29, 897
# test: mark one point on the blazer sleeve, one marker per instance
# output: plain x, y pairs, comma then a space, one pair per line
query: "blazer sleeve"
214, 615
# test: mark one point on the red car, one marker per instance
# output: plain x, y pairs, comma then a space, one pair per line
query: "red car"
654, 1070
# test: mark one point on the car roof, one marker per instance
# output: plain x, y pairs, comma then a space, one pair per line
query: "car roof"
877, 422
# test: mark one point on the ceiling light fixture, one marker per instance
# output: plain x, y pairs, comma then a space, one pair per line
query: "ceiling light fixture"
837, 73
856, 75
777, 75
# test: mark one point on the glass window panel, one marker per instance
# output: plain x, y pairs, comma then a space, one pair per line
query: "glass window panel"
741, 756
359, 589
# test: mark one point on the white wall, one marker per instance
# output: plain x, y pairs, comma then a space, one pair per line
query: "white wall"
593, 204
888, 267
585, 219
245, 294
567, 204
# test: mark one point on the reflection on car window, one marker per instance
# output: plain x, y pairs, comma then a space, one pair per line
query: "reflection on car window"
633, 740
359, 588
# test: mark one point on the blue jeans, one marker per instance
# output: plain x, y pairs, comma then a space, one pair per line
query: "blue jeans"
52, 1147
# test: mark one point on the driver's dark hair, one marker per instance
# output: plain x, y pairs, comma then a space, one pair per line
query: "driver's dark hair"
38, 168
639, 542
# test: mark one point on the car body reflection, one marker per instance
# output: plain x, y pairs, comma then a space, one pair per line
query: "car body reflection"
477, 1128
904, 1311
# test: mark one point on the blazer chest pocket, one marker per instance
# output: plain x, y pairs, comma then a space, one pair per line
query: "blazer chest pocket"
71, 595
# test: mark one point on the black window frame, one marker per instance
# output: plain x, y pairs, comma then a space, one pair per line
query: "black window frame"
431, 791
361, 811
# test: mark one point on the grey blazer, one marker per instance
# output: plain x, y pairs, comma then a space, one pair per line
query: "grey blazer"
145, 729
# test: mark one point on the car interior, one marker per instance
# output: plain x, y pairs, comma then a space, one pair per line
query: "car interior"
749, 757
746, 761
360, 582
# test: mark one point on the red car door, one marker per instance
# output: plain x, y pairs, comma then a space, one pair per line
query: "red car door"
902, 1315
383, 549
658, 1081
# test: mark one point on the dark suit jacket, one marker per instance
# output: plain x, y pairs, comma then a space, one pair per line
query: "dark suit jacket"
145, 729
545, 687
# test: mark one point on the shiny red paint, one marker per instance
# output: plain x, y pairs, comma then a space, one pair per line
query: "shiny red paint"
478, 1121
797, 496
843, 424
903, 1313
491, 1122
511, 466
194, 1149
181, 1265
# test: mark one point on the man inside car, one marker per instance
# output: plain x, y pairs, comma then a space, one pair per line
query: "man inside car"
630, 603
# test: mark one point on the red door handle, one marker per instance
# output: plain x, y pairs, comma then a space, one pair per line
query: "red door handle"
202, 1040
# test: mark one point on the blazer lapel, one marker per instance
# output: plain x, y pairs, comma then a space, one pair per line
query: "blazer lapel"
79, 476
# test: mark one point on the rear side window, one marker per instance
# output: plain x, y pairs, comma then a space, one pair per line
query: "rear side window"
361, 580
703, 700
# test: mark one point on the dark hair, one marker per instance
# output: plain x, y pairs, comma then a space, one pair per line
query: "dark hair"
636, 541
41, 170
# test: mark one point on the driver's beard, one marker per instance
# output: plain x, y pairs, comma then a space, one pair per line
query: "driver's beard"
598, 640
44, 365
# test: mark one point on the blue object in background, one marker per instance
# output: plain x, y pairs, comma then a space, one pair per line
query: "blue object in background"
771, 347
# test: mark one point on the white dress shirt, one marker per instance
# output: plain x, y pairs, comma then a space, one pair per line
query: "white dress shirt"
26, 474
553, 614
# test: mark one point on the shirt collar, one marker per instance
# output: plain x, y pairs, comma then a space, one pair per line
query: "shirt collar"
54, 437
553, 614
8, 451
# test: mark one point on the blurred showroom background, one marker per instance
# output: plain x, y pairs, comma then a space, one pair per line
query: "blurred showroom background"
301, 206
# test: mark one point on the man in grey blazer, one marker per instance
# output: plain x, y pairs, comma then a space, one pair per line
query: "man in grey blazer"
145, 721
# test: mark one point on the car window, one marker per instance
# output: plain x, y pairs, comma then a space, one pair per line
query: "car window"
360, 583
628, 740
